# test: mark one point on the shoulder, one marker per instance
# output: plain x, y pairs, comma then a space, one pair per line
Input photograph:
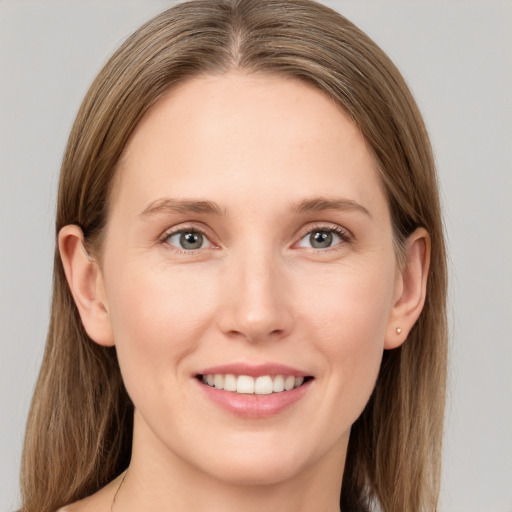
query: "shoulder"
85, 505
89, 504
100, 501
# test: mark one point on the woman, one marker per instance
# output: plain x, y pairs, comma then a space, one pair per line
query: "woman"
249, 293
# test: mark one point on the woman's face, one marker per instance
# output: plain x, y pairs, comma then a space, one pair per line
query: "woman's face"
249, 244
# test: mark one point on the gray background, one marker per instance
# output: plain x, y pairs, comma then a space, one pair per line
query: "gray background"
457, 58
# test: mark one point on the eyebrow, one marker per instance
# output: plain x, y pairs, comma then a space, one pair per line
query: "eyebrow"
170, 205
320, 204
316, 204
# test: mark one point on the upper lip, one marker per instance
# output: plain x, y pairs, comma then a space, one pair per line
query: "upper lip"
254, 370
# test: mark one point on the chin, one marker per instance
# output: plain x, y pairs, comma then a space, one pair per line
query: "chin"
254, 473
262, 461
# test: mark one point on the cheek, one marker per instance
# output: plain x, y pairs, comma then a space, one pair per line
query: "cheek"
157, 319
349, 324
353, 306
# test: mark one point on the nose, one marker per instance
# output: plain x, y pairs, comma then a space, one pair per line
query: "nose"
256, 305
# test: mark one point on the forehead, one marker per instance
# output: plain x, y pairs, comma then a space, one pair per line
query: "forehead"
236, 134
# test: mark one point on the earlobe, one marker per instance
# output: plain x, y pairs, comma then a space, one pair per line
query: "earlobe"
86, 284
410, 289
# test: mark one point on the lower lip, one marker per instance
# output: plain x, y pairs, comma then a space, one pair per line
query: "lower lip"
255, 406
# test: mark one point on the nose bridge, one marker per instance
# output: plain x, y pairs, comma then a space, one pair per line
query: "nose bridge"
257, 305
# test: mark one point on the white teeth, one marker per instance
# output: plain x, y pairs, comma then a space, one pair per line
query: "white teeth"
289, 383
263, 385
218, 381
230, 382
278, 384
245, 384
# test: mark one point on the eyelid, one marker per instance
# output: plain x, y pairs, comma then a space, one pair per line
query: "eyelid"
344, 234
184, 228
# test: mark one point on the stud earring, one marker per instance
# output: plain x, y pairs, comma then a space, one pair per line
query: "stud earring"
398, 330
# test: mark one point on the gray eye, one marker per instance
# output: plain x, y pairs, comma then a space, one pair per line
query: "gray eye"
321, 239
188, 240
191, 240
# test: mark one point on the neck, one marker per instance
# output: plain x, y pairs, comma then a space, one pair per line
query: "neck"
159, 480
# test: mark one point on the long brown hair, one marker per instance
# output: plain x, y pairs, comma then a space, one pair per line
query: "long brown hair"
80, 424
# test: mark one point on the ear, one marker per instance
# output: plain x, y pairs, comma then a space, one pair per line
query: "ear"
410, 289
86, 284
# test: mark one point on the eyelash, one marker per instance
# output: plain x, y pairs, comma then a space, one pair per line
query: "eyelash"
344, 235
186, 229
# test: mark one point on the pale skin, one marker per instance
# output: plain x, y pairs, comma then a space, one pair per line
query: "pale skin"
257, 165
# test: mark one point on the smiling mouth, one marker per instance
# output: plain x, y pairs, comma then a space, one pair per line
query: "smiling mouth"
254, 391
245, 384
